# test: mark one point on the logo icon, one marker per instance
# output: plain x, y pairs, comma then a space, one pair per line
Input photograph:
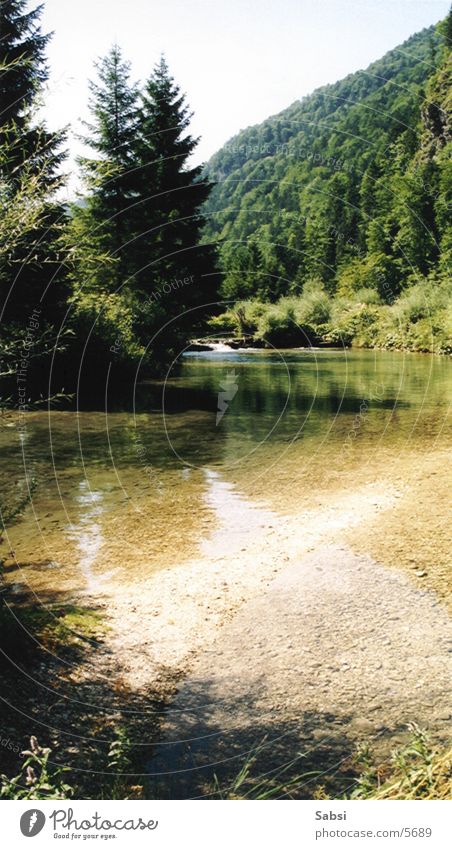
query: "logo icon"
229, 388
32, 822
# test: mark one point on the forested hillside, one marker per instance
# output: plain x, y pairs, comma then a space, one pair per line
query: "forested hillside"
333, 215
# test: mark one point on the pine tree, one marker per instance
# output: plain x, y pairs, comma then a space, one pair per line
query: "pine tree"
110, 180
141, 217
28, 152
100, 231
23, 73
242, 266
170, 195
22, 48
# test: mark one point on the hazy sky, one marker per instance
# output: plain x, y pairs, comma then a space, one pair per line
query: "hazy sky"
239, 61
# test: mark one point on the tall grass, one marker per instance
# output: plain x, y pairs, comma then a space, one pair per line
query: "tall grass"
418, 770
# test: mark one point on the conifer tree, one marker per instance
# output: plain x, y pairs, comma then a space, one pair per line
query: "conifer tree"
170, 193
28, 153
24, 72
109, 177
22, 49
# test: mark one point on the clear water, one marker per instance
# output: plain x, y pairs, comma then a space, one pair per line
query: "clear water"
109, 496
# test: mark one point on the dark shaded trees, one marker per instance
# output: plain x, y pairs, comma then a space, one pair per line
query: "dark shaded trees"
32, 279
170, 193
139, 267
109, 177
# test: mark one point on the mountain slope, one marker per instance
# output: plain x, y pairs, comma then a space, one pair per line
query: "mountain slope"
346, 190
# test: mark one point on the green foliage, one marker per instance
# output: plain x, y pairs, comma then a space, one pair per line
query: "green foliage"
39, 778
351, 186
375, 272
30, 157
117, 784
169, 195
419, 320
242, 264
22, 48
277, 325
33, 285
246, 785
418, 770
95, 272
106, 214
296, 320
247, 315
313, 308
135, 237
20, 212
119, 751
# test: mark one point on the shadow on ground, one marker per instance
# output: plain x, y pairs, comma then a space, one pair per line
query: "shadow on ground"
295, 758
59, 683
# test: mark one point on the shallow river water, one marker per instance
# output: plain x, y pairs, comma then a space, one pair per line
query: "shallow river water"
109, 496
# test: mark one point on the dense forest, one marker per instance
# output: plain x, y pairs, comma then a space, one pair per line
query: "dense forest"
110, 286
333, 216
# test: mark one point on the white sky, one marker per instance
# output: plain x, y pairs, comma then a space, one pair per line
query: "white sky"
239, 61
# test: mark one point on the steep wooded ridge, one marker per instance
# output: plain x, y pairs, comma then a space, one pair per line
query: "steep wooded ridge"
339, 206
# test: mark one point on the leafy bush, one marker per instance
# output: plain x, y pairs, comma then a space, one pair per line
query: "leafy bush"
366, 296
247, 315
376, 271
313, 308
277, 324
419, 320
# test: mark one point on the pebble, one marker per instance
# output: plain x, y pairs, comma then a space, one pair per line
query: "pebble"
363, 724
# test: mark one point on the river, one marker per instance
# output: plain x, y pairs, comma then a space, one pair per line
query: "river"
111, 496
